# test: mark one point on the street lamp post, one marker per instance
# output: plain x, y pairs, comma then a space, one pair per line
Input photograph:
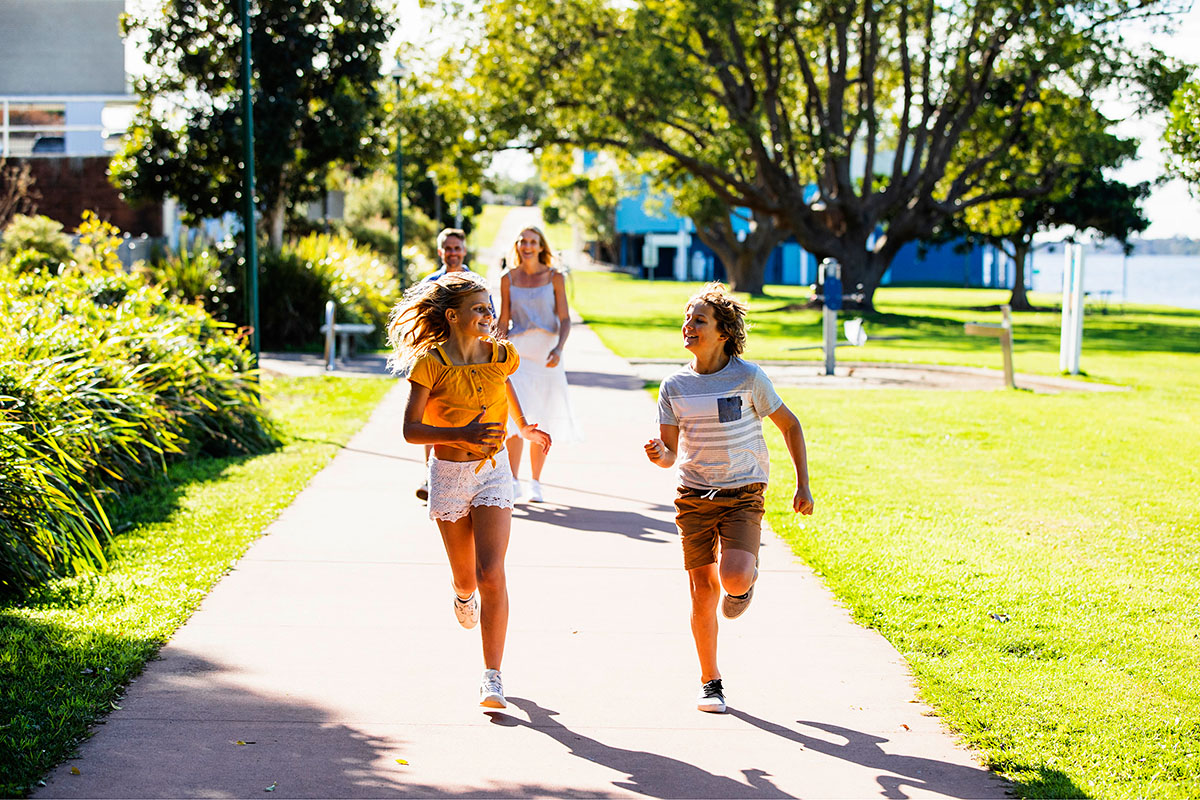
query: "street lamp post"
398, 72
249, 227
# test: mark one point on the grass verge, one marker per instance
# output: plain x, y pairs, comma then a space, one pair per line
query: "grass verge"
1032, 556
487, 225
67, 652
641, 319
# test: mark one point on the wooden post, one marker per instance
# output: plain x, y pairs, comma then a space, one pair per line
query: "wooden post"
1003, 332
1006, 346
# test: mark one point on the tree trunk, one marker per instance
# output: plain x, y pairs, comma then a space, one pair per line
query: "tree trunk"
1019, 300
746, 272
861, 272
745, 261
275, 217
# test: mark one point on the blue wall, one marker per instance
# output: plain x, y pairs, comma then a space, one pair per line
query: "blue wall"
791, 265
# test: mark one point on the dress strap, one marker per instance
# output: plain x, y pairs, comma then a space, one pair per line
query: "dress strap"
442, 353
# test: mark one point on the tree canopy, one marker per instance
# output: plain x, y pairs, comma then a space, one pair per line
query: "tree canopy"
315, 94
868, 102
1069, 132
1183, 135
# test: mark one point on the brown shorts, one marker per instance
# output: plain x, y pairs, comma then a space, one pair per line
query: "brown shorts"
733, 516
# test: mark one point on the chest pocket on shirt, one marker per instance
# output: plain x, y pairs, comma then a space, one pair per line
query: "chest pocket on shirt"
729, 409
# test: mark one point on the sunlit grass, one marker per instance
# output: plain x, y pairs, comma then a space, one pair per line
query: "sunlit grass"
641, 319
1032, 556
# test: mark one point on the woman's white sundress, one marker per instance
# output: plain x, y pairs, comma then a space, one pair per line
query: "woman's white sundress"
542, 390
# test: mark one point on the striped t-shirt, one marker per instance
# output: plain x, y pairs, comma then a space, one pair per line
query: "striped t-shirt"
719, 416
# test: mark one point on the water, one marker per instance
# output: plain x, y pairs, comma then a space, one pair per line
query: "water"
1155, 280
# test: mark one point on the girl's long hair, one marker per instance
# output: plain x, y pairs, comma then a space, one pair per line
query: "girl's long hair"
418, 322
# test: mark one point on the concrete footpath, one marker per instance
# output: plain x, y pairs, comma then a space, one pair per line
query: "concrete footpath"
329, 662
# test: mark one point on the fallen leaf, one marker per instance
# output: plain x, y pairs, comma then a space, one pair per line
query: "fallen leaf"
75, 770
902, 725
401, 761
271, 788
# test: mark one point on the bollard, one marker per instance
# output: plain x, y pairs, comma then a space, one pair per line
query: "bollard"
831, 279
1071, 341
330, 350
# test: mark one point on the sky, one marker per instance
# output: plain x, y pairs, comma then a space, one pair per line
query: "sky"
1171, 209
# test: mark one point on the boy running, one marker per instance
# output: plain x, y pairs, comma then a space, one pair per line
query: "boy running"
710, 421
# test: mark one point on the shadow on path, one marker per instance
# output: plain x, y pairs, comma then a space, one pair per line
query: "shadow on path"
954, 780
624, 523
650, 774
604, 380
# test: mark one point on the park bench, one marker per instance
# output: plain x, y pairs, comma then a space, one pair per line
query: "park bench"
342, 331
1001, 331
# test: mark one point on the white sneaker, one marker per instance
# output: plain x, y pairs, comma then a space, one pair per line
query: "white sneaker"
467, 610
516, 489
535, 491
491, 690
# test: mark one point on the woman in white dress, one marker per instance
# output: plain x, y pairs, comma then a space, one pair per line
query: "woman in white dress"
535, 317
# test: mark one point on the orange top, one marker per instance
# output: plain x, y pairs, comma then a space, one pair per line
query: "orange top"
458, 392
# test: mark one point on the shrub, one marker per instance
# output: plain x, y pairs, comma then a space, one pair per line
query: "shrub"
296, 283
103, 380
40, 234
197, 275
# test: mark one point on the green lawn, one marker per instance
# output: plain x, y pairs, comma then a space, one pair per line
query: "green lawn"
487, 225
641, 319
1032, 556
66, 653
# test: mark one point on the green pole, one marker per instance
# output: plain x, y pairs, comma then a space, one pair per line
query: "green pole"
248, 222
399, 191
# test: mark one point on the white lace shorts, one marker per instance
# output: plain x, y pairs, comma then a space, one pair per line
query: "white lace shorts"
455, 486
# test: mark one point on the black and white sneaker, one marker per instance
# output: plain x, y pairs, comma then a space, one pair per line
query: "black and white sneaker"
712, 697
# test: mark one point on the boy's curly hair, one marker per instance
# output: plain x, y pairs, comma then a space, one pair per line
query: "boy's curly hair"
418, 322
729, 313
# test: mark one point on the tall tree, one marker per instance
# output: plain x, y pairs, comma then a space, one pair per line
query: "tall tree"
315, 93
867, 101
1075, 139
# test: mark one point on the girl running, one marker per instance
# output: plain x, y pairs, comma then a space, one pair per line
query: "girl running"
459, 399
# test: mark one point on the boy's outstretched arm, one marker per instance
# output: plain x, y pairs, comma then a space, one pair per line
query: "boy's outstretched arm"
793, 435
662, 450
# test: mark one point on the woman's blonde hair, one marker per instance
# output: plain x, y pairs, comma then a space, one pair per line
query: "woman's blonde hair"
418, 322
729, 313
546, 257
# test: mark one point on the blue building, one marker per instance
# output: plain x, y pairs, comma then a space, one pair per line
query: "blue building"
664, 246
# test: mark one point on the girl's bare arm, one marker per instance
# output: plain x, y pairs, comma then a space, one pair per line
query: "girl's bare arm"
488, 434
